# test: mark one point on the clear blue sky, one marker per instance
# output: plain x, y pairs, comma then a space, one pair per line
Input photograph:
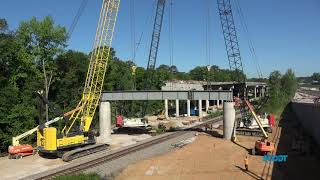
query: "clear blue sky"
286, 33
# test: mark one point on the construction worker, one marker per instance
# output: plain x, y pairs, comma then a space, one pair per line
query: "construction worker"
246, 163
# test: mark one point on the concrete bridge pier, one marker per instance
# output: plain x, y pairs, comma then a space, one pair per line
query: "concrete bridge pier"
229, 116
166, 108
188, 107
255, 92
177, 108
218, 103
207, 105
200, 108
104, 123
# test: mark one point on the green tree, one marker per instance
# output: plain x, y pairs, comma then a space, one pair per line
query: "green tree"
282, 90
18, 80
72, 67
199, 73
43, 41
289, 84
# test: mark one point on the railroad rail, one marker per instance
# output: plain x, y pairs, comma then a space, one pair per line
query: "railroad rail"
77, 166
74, 169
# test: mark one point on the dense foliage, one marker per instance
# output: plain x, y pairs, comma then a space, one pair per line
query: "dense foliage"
282, 90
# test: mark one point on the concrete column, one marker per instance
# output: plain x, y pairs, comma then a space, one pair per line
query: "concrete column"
207, 105
255, 92
229, 116
263, 91
177, 107
200, 108
188, 108
166, 109
104, 123
218, 103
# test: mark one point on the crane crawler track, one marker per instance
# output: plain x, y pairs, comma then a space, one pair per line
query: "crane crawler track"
110, 157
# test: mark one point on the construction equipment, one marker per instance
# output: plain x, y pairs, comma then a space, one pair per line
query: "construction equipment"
235, 63
262, 146
153, 52
152, 59
17, 150
76, 132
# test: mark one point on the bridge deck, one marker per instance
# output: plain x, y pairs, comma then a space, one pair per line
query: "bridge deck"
170, 95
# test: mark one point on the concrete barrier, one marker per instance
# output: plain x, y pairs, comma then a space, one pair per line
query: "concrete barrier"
309, 117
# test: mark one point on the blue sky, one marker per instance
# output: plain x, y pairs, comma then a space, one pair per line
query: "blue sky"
285, 33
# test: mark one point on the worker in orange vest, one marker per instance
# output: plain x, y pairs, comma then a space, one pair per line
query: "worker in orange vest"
246, 163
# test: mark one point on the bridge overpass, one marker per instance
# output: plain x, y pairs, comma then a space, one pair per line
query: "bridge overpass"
197, 97
255, 89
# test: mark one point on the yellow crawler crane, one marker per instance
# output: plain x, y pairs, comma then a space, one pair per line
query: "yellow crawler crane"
69, 144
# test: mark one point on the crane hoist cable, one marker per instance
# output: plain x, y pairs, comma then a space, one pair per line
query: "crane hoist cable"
171, 42
77, 17
133, 42
233, 53
153, 52
231, 44
171, 33
235, 62
244, 25
136, 45
97, 67
132, 30
208, 41
208, 33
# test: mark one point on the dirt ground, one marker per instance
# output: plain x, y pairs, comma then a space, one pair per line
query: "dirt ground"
19, 168
207, 158
211, 157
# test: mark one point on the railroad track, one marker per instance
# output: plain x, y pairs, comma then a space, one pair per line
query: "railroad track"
110, 157
85, 165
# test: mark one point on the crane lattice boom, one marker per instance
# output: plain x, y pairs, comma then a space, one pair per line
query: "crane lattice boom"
230, 37
97, 67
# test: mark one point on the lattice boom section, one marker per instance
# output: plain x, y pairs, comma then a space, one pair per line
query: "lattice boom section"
98, 63
230, 35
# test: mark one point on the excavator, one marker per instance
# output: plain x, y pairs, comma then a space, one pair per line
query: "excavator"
76, 140
240, 91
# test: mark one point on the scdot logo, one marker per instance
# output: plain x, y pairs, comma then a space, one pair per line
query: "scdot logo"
275, 158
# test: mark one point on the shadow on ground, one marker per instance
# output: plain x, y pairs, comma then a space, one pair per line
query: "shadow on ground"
303, 154
250, 173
